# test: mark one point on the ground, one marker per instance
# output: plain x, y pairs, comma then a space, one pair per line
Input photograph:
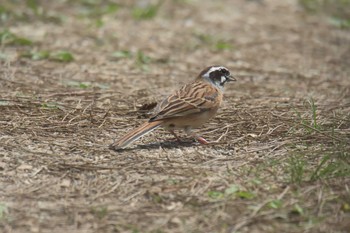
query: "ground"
76, 75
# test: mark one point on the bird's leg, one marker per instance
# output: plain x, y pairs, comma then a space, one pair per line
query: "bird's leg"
200, 139
173, 133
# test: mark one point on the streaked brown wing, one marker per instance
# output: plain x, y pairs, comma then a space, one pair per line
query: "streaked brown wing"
192, 98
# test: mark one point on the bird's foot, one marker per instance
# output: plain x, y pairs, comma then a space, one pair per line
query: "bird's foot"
201, 140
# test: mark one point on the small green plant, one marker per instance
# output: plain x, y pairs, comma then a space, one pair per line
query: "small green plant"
60, 56
122, 54
275, 204
222, 45
330, 166
303, 121
9, 38
232, 191
245, 195
216, 194
142, 60
36, 55
321, 166
313, 108
146, 12
297, 209
310, 125
296, 169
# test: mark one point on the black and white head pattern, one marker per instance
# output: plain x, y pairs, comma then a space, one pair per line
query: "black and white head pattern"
218, 75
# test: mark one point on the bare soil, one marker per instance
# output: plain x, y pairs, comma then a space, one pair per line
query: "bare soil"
288, 112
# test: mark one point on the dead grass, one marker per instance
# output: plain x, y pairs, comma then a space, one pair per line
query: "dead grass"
282, 163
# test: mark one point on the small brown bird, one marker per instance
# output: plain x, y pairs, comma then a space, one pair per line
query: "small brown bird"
187, 108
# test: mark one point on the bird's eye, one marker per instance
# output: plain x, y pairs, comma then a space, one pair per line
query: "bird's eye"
225, 72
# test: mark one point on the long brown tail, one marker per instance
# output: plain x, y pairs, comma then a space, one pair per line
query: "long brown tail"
135, 134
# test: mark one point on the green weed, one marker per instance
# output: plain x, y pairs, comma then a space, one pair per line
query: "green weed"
275, 204
297, 209
296, 165
9, 38
332, 165
222, 45
142, 60
313, 108
60, 56
232, 191
216, 194
36, 55
245, 194
122, 54
310, 125
146, 12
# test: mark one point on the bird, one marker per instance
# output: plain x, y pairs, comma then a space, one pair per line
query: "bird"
189, 107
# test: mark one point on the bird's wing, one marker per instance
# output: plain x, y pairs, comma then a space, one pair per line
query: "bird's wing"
192, 98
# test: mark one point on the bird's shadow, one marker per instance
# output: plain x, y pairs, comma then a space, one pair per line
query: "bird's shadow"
153, 146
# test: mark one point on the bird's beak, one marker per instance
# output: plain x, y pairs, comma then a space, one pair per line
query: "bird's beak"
230, 78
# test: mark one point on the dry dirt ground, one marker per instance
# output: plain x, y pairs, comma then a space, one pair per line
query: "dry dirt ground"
282, 161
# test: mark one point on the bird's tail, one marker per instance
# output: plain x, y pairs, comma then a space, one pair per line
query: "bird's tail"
135, 134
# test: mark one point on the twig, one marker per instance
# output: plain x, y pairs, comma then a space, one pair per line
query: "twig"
222, 135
